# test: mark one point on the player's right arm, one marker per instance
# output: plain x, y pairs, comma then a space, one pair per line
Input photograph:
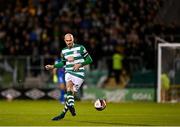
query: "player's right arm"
56, 65
49, 67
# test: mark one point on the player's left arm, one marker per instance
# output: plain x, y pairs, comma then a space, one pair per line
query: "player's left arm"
86, 56
87, 59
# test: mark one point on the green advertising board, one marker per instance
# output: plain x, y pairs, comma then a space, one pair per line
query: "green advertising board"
120, 95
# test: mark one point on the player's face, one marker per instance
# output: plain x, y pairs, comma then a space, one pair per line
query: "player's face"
69, 40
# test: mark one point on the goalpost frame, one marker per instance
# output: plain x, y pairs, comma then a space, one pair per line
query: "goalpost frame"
159, 60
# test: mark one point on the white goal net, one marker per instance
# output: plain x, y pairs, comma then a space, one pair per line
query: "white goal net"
168, 77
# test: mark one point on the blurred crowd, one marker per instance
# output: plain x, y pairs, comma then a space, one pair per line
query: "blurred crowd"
37, 27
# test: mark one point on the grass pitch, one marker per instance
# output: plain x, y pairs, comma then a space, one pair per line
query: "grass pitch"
39, 113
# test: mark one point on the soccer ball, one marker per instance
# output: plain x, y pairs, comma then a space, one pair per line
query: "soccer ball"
100, 104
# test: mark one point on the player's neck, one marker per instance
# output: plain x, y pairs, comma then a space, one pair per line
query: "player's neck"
71, 46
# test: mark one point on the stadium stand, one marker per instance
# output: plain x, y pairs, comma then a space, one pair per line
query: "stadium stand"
36, 27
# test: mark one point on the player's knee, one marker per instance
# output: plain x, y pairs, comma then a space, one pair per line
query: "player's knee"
69, 88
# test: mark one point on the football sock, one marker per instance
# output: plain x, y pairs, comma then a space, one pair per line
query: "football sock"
65, 109
65, 105
62, 98
70, 99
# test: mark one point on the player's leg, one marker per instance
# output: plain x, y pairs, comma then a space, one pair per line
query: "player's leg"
73, 86
70, 97
73, 83
63, 113
117, 76
62, 93
69, 102
62, 97
61, 83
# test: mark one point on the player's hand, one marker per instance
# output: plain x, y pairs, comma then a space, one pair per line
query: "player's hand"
49, 67
76, 67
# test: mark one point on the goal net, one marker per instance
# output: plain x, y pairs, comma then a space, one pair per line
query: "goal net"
168, 77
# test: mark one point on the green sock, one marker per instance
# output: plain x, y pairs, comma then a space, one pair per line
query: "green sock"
70, 99
65, 109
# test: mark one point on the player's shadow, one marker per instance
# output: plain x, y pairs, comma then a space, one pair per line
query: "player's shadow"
111, 123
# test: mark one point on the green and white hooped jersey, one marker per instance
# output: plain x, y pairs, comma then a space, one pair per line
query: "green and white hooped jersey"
78, 52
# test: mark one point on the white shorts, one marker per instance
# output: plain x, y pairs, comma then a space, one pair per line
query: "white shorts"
77, 82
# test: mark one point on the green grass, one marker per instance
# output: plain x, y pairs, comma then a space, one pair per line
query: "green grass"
39, 113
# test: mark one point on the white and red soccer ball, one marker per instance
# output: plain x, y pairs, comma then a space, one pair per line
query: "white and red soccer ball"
100, 104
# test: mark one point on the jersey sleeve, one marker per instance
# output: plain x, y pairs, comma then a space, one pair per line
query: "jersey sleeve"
84, 52
62, 57
61, 63
86, 56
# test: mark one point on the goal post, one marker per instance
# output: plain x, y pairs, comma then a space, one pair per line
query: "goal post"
168, 71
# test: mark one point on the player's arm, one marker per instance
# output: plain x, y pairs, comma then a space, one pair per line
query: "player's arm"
86, 56
56, 65
54, 71
61, 63
87, 60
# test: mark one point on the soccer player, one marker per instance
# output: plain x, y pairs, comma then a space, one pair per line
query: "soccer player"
58, 77
74, 58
